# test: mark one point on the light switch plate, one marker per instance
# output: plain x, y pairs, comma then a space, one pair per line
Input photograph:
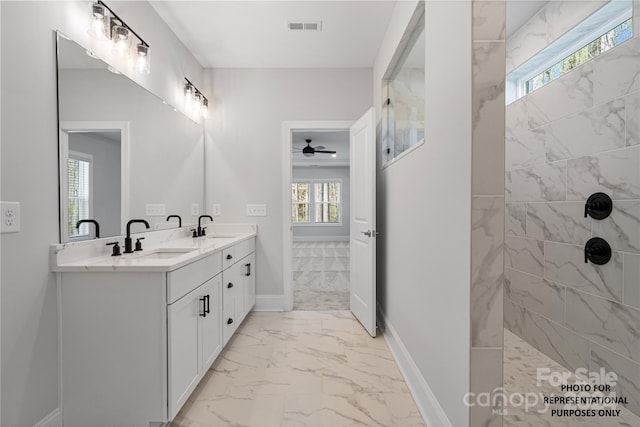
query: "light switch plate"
10, 217
256, 210
155, 209
216, 210
195, 209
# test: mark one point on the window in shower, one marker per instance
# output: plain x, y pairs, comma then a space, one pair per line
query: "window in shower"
610, 39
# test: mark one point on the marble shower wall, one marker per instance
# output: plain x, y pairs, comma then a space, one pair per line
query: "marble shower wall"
578, 135
487, 205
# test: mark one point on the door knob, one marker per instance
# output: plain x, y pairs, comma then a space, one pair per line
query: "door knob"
598, 206
370, 233
597, 250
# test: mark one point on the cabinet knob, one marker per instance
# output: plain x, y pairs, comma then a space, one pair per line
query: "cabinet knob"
229, 321
229, 256
230, 285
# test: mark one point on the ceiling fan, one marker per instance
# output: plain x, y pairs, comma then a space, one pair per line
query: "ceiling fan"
309, 151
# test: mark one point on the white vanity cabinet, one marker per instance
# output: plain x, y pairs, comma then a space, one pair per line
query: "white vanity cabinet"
135, 342
238, 295
193, 338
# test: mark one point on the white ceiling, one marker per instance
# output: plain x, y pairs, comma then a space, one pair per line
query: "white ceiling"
337, 141
519, 12
254, 34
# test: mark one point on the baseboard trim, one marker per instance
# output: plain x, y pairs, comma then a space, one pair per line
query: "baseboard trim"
54, 419
269, 303
426, 401
320, 238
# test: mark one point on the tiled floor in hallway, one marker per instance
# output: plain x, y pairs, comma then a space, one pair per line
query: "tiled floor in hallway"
302, 368
321, 275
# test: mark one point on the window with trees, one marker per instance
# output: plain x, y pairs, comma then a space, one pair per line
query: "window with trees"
601, 44
79, 193
326, 198
300, 202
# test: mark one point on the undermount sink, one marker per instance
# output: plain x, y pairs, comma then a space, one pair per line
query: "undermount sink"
165, 253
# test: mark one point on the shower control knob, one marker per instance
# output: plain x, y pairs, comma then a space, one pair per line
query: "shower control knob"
597, 250
598, 206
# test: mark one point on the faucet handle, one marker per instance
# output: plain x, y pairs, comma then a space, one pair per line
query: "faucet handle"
203, 232
139, 243
116, 248
195, 233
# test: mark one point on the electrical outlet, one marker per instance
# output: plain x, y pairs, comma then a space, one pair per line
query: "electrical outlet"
155, 209
216, 210
10, 217
195, 209
256, 210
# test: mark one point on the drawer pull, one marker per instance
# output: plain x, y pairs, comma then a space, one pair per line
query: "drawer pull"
230, 285
207, 310
229, 321
248, 267
204, 306
229, 256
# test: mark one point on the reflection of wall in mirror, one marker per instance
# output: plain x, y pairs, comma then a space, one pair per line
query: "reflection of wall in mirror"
166, 147
106, 176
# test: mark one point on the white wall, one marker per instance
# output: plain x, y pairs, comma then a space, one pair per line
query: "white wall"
244, 142
324, 173
29, 137
106, 178
424, 210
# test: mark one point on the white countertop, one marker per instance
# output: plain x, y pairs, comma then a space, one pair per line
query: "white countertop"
67, 257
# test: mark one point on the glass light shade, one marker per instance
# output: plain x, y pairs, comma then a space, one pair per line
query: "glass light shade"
197, 104
143, 65
121, 38
99, 21
205, 107
188, 93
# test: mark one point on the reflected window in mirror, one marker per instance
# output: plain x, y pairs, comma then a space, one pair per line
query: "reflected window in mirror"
403, 90
80, 201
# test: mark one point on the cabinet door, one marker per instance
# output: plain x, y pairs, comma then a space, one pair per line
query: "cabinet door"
210, 331
184, 371
232, 299
249, 271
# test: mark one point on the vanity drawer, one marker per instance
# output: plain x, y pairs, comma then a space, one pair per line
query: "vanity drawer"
236, 252
183, 280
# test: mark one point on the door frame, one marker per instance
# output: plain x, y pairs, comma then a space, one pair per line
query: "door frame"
67, 127
288, 127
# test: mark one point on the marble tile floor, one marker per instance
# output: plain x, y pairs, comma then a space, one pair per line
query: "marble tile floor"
321, 275
521, 362
302, 369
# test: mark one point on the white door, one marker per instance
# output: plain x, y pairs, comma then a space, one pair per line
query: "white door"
363, 221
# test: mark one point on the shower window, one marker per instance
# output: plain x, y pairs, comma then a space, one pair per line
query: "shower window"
403, 90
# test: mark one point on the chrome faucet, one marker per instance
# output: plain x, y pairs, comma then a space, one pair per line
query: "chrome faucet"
128, 247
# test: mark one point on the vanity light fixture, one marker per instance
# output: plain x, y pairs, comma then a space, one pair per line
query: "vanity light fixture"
195, 100
106, 25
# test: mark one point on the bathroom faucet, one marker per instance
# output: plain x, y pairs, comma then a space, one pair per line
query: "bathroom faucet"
92, 221
127, 241
201, 231
175, 216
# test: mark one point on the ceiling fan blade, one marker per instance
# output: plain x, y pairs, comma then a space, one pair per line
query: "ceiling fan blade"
319, 147
325, 151
297, 148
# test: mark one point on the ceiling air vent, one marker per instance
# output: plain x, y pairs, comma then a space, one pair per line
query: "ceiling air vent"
305, 26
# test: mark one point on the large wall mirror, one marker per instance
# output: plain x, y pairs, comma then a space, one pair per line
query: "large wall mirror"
124, 153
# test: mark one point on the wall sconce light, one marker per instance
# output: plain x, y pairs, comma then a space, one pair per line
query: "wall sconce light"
195, 100
106, 25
